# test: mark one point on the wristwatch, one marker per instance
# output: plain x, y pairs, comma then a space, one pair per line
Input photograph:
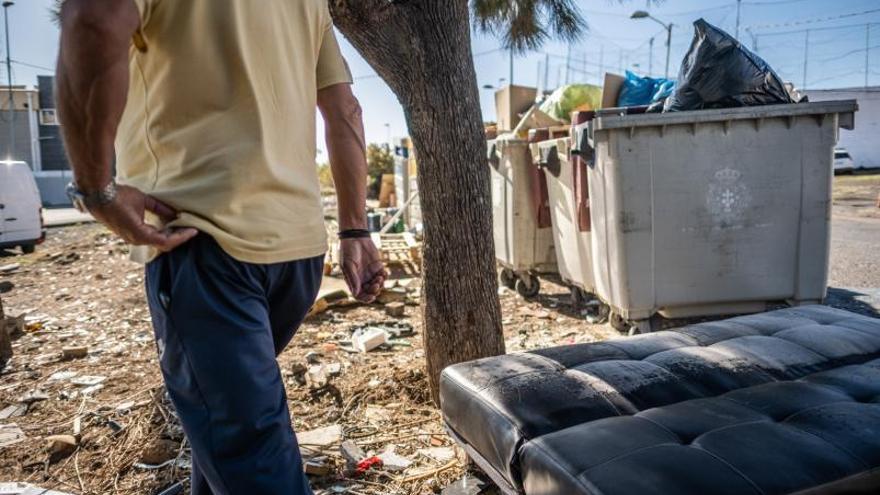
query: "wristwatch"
83, 201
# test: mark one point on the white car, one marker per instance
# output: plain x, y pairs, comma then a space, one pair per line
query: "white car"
21, 212
843, 162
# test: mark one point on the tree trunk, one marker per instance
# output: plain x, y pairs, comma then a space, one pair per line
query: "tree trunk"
422, 49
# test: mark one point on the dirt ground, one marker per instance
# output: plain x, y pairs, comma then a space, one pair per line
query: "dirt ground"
79, 290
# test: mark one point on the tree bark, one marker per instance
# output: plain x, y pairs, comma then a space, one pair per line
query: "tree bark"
422, 49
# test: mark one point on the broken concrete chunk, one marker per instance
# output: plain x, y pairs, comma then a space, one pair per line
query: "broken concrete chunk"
316, 376
316, 467
369, 338
88, 380
352, 454
13, 411
74, 352
321, 437
395, 309
467, 485
439, 454
33, 396
10, 434
392, 295
392, 461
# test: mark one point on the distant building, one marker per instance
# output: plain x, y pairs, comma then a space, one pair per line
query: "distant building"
37, 137
861, 142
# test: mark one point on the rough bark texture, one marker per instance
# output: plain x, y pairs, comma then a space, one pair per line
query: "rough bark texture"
422, 49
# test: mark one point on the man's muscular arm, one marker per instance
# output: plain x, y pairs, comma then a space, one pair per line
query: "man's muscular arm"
92, 90
361, 264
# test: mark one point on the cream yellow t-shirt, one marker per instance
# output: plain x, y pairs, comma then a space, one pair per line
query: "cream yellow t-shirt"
220, 120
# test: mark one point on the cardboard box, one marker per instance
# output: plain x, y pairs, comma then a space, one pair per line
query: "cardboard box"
611, 89
510, 103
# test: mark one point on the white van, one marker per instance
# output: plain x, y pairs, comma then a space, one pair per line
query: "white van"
21, 213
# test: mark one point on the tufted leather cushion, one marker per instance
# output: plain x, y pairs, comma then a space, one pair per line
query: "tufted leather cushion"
779, 402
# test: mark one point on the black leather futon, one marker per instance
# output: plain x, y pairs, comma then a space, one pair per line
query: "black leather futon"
780, 402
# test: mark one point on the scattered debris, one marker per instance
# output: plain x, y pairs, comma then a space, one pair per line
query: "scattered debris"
26, 489
352, 454
392, 461
395, 309
174, 489
10, 434
33, 396
368, 338
62, 375
317, 466
321, 437
61, 446
88, 380
68, 353
387, 296
466, 485
13, 411
13, 267
367, 464
439, 454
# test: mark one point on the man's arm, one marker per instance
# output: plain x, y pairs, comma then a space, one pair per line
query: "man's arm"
92, 88
344, 134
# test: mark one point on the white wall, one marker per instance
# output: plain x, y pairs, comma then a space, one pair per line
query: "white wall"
863, 143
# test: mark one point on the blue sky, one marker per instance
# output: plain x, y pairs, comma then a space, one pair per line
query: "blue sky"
835, 55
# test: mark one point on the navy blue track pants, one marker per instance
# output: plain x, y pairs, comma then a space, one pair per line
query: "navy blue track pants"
219, 325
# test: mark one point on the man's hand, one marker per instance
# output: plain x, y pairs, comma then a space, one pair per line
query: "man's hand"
362, 268
125, 216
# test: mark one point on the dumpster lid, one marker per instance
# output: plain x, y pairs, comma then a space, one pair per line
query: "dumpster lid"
616, 121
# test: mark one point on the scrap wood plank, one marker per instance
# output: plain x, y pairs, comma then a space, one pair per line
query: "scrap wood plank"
399, 250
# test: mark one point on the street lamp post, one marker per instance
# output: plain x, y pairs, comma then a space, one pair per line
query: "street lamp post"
6, 5
641, 14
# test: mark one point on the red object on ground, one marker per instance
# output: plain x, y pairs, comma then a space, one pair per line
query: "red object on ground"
367, 464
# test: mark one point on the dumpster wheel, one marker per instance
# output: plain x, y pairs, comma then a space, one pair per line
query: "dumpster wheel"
528, 285
634, 327
507, 278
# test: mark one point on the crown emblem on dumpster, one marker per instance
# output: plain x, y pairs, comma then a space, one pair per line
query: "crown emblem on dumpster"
727, 198
727, 175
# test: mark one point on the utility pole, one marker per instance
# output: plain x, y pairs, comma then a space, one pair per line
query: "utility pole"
651, 57
867, 51
546, 71
6, 6
738, 9
620, 60
668, 48
538, 80
568, 65
511, 67
806, 56
601, 62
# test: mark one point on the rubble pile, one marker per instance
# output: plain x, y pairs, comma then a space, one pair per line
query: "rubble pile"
83, 409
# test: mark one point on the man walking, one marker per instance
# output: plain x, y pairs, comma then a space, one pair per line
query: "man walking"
211, 104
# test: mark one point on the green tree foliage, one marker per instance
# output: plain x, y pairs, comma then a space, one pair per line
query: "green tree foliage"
379, 161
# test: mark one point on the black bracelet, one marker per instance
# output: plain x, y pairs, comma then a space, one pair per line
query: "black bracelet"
354, 234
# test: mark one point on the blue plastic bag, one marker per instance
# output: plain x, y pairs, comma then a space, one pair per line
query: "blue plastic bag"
638, 91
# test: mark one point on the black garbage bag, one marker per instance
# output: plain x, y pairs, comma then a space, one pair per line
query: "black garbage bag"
719, 72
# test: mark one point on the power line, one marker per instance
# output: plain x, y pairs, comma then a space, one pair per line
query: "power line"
32, 66
812, 21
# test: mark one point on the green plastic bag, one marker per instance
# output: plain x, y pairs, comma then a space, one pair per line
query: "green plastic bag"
571, 97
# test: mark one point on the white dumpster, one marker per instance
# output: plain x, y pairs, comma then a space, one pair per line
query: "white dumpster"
569, 213
520, 217
713, 211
